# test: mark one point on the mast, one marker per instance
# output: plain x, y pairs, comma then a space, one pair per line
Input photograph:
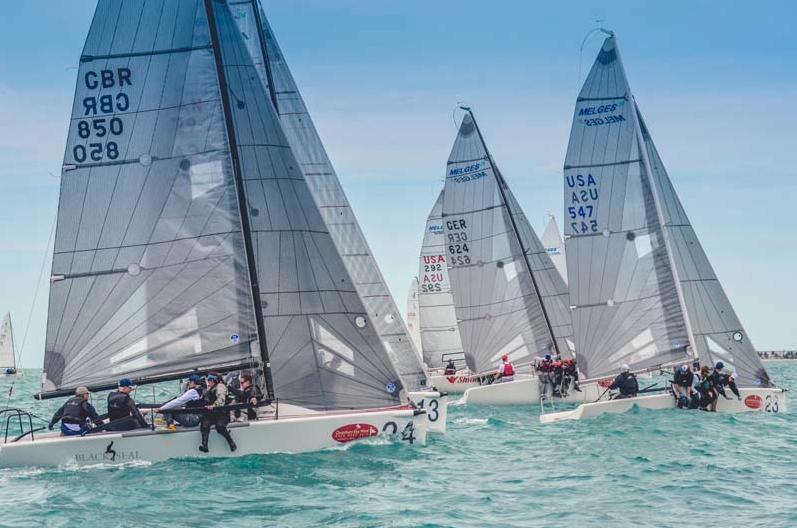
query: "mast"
239, 188
264, 51
515, 230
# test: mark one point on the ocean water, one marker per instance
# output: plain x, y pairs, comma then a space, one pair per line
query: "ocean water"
497, 466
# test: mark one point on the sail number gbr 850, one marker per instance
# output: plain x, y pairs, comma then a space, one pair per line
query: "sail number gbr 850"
98, 127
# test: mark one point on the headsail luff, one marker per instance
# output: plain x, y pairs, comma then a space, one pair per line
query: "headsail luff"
555, 246
7, 351
161, 285
640, 282
509, 298
440, 338
328, 192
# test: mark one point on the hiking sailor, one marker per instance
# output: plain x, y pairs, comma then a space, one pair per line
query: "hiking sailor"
75, 415
626, 383
192, 397
215, 397
122, 410
682, 386
719, 379
506, 372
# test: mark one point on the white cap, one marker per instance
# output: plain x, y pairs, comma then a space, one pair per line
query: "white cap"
624, 367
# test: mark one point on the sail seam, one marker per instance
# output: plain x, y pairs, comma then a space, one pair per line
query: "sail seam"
187, 49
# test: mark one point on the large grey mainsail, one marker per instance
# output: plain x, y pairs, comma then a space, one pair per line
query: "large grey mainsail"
150, 274
7, 351
641, 286
440, 338
327, 191
509, 298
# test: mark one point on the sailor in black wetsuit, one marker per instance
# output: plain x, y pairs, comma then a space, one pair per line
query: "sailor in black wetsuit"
75, 415
122, 410
626, 383
719, 380
215, 397
451, 368
682, 383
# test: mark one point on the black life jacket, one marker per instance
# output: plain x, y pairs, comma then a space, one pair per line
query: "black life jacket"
74, 413
199, 402
629, 385
210, 396
118, 405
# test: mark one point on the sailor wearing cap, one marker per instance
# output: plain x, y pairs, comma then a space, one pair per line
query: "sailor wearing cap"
192, 397
122, 410
75, 415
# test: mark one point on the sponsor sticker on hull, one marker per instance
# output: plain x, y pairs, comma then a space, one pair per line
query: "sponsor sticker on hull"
753, 401
350, 432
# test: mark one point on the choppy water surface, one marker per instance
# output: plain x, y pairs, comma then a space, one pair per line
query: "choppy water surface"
495, 467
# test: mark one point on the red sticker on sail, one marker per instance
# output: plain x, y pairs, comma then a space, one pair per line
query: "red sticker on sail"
753, 401
347, 433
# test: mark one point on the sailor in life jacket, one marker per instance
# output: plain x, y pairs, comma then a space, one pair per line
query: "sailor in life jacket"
122, 410
626, 382
75, 415
506, 372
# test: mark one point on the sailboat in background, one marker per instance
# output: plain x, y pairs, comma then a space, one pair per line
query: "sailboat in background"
188, 240
659, 302
555, 246
509, 298
8, 355
339, 219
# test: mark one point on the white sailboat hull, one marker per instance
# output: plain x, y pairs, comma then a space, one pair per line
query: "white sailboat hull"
436, 406
295, 433
523, 392
459, 383
752, 400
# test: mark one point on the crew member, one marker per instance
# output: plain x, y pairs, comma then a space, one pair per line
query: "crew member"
708, 395
122, 410
506, 372
682, 383
191, 398
720, 379
247, 393
626, 383
451, 368
214, 399
75, 415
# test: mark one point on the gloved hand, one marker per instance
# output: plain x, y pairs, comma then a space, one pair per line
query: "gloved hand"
50, 426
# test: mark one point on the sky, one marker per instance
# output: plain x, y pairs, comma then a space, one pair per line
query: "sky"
715, 80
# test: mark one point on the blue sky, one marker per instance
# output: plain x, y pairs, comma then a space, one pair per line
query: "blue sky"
716, 81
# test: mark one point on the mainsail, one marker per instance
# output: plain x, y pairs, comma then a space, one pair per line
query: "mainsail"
183, 214
327, 191
641, 285
413, 319
509, 298
7, 350
555, 246
440, 340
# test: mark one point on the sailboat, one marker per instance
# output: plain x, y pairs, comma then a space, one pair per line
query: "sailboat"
555, 246
659, 302
8, 360
327, 191
509, 298
187, 240
440, 340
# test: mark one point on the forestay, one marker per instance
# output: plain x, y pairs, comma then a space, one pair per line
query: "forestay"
508, 296
555, 246
440, 338
7, 350
150, 273
641, 286
328, 193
